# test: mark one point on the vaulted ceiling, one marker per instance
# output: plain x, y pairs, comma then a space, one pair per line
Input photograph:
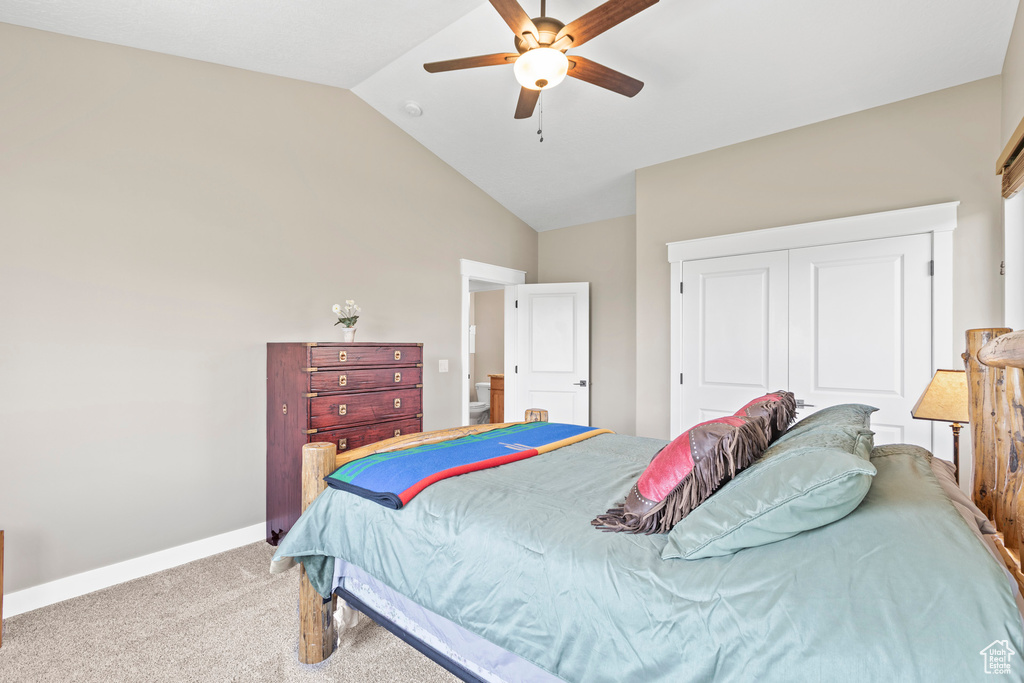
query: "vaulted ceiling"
716, 72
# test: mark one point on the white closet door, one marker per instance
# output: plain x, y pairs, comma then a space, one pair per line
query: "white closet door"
860, 330
552, 352
734, 333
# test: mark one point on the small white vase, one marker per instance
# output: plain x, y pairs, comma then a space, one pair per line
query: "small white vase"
348, 334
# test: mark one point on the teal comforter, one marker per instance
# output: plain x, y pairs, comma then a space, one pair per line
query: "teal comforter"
899, 590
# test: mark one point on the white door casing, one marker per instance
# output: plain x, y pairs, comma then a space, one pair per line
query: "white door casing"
860, 330
934, 222
735, 332
1013, 264
551, 360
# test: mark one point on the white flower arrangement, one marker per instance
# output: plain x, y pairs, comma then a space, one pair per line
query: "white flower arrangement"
347, 314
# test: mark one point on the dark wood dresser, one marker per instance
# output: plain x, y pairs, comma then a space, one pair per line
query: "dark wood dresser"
352, 394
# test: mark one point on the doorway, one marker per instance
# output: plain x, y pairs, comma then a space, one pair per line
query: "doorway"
545, 345
488, 281
486, 349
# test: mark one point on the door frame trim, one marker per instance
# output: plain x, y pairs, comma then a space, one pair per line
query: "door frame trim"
934, 218
937, 220
484, 272
1013, 264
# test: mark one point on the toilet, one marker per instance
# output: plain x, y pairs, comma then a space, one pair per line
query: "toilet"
480, 410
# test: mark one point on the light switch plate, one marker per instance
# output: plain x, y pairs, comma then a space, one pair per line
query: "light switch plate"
442, 365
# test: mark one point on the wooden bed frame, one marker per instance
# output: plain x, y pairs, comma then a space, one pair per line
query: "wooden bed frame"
995, 378
316, 616
995, 383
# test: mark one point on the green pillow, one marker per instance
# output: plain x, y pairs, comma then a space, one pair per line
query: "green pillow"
844, 427
777, 497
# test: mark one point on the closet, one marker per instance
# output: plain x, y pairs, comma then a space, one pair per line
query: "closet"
847, 321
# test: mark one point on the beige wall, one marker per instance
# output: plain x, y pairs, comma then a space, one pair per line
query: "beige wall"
1013, 81
489, 317
161, 219
604, 254
938, 147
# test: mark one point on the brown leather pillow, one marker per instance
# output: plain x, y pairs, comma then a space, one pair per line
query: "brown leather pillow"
778, 410
685, 473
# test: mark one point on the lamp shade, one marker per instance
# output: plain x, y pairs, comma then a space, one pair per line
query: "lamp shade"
945, 398
541, 68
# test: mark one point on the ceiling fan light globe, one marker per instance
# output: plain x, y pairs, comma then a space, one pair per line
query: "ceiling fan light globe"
541, 68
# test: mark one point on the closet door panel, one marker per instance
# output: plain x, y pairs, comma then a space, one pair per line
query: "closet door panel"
734, 330
842, 329
860, 330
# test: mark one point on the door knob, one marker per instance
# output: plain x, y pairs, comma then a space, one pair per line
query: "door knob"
581, 383
800, 404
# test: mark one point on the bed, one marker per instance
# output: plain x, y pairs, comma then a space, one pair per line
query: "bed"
499, 575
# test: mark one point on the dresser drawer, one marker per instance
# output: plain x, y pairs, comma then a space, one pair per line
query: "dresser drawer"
342, 410
354, 437
344, 355
333, 381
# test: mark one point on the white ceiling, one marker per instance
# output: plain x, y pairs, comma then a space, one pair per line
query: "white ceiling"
717, 72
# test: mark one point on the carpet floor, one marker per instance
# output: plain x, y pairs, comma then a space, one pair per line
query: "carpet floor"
222, 618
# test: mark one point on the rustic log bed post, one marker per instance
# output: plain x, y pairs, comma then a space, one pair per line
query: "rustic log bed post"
316, 617
995, 379
981, 397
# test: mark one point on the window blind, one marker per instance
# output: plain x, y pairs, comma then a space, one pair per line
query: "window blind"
1011, 163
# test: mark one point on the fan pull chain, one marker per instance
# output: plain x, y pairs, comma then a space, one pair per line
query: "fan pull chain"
540, 117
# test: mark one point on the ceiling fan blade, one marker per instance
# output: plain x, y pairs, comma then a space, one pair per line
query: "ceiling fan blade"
600, 75
470, 62
516, 18
527, 102
601, 18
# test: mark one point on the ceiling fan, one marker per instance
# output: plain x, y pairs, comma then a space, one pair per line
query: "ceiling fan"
540, 60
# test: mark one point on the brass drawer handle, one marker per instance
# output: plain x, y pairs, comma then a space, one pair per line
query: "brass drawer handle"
342, 409
398, 432
342, 356
342, 444
398, 403
398, 355
342, 380
398, 377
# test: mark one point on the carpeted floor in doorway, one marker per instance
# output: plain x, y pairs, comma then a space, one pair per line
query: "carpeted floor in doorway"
223, 618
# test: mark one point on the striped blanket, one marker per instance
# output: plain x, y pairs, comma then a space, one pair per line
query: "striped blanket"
395, 477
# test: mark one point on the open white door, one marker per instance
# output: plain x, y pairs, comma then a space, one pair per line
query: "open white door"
549, 367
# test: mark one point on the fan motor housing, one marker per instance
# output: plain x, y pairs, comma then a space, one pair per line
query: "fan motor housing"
547, 28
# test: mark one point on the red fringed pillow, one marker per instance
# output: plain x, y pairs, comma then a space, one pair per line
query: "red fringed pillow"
685, 473
778, 410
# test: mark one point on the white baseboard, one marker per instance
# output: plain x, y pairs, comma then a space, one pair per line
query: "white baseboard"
95, 579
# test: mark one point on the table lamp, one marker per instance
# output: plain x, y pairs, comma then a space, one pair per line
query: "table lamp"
945, 400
